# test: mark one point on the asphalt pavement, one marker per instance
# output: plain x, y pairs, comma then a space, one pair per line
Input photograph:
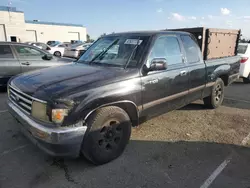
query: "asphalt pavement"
190, 147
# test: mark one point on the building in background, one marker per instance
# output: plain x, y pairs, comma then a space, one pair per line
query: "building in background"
14, 27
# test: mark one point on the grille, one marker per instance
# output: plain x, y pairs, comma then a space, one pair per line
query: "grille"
22, 100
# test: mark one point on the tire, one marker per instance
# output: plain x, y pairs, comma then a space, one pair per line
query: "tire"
216, 98
246, 80
108, 135
57, 54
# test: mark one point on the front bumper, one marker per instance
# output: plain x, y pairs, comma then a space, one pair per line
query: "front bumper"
59, 141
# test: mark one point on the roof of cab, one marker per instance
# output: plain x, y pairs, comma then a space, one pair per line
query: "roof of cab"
150, 33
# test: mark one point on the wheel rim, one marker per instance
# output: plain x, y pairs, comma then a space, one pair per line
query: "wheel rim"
218, 93
110, 135
57, 53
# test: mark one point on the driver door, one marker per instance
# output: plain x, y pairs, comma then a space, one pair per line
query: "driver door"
165, 90
30, 58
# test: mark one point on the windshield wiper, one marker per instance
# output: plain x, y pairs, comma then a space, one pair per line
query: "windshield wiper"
133, 51
103, 52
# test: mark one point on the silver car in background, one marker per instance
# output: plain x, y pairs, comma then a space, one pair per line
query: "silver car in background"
75, 51
16, 58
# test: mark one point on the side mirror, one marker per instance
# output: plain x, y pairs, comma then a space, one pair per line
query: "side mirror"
47, 57
158, 64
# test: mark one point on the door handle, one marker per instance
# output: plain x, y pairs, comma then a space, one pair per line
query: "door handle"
183, 73
27, 63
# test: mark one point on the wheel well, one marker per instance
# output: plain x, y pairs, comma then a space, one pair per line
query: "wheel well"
225, 79
132, 112
57, 51
128, 107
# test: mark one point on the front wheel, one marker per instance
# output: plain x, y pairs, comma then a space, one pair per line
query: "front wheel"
216, 98
109, 133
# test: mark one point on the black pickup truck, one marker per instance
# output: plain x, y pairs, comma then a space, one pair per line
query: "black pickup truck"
90, 106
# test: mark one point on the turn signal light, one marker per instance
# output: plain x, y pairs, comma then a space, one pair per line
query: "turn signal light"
58, 115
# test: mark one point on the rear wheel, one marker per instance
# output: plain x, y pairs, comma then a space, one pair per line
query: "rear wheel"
110, 130
217, 96
58, 54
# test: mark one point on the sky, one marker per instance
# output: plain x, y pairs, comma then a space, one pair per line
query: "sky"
107, 16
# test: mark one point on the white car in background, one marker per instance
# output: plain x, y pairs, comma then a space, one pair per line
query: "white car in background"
75, 51
40, 45
57, 49
244, 51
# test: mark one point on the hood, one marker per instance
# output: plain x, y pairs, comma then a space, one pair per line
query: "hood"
57, 81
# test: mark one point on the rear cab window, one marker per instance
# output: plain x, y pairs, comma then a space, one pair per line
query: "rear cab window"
6, 52
191, 48
242, 48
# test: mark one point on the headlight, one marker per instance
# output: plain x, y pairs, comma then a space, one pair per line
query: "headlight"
39, 111
58, 115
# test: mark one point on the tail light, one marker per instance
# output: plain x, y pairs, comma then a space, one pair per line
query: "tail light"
243, 59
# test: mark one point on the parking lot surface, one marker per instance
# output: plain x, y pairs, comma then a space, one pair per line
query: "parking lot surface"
190, 147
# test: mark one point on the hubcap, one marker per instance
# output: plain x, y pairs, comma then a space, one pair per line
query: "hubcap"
218, 93
110, 135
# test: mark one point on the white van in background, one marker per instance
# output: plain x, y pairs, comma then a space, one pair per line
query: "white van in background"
244, 52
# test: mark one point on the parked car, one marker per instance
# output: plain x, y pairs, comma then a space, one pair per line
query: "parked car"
16, 58
244, 52
67, 44
53, 42
90, 106
75, 51
40, 45
76, 42
57, 49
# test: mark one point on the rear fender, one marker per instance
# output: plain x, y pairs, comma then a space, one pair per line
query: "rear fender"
221, 72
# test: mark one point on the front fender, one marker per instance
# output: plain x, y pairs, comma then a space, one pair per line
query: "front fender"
125, 94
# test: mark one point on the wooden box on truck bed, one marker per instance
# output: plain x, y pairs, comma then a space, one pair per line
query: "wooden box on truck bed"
215, 43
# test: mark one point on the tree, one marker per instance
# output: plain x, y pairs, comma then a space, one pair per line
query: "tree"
89, 39
102, 35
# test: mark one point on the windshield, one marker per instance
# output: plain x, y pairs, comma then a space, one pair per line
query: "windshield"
116, 51
242, 49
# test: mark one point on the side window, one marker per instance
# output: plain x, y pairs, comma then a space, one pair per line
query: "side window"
191, 48
61, 45
24, 51
43, 46
166, 47
5, 52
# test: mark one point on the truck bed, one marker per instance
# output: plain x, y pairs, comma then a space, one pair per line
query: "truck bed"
215, 43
